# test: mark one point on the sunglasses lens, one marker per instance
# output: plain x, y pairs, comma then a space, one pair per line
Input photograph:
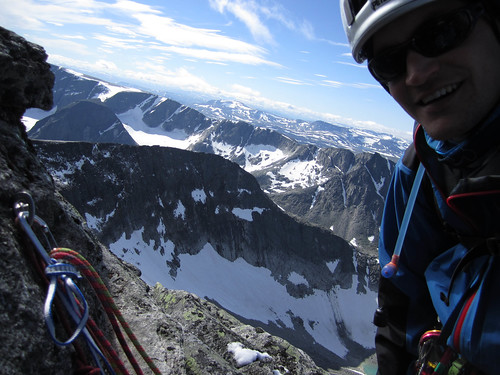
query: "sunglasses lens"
431, 39
388, 65
439, 37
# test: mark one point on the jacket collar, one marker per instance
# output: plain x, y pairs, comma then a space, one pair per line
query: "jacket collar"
482, 139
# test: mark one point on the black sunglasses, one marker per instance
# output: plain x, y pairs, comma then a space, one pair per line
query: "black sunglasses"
432, 38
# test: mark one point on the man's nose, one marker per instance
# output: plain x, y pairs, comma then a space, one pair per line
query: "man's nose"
419, 68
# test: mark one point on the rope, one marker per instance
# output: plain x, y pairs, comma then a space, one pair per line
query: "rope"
60, 274
62, 290
109, 306
51, 276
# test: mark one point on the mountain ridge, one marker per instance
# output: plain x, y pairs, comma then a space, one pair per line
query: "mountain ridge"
285, 168
319, 133
199, 222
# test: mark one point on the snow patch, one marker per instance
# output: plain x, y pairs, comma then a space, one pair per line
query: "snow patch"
332, 266
344, 193
302, 173
199, 195
33, 115
112, 90
297, 279
145, 135
150, 258
244, 356
234, 284
378, 185
246, 213
315, 197
180, 210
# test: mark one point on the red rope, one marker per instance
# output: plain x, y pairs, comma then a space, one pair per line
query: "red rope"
80, 359
106, 348
109, 306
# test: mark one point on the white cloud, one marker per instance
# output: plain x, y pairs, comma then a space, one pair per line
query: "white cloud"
291, 81
115, 43
169, 32
79, 37
71, 46
357, 85
122, 30
248, 13
244, 93
251, 13
149, 25
134, 7
331, 83
34, 15
351, 63
217, 56
307, 30
106, 65
180, 78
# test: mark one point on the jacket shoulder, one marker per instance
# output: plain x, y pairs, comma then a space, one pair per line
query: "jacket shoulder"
410, 158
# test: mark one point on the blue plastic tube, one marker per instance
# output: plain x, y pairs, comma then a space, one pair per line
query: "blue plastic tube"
391, 268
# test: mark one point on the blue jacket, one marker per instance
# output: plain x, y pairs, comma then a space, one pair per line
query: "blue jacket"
456, 216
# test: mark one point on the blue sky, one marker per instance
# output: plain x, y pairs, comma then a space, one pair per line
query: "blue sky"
289, 57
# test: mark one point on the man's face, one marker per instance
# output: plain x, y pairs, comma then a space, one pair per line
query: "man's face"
451, 93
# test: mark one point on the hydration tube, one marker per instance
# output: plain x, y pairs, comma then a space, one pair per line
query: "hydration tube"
391, 268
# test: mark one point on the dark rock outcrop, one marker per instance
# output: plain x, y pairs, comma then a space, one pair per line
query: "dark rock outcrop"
25, 78
85, 119
142, 186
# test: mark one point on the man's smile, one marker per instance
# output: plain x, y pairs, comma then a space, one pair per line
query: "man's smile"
439, 94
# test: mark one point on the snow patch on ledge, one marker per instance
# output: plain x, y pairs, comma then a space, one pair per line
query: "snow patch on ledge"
244, 356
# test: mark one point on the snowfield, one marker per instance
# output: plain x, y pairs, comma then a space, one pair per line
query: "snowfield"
252, 292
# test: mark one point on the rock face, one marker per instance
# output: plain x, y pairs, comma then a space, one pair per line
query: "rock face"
85, 119
350, 202
25, 79
167, 323
197, 198
170, 212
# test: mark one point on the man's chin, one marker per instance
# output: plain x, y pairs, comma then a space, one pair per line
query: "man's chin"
442, 130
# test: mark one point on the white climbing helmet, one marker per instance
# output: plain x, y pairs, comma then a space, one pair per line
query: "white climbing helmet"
362, 18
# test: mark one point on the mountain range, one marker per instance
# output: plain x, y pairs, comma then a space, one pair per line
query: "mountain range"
197, 222
319, 133
173, 213
334, 186
192, 220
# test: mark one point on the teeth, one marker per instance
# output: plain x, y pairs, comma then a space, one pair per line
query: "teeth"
439, 93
